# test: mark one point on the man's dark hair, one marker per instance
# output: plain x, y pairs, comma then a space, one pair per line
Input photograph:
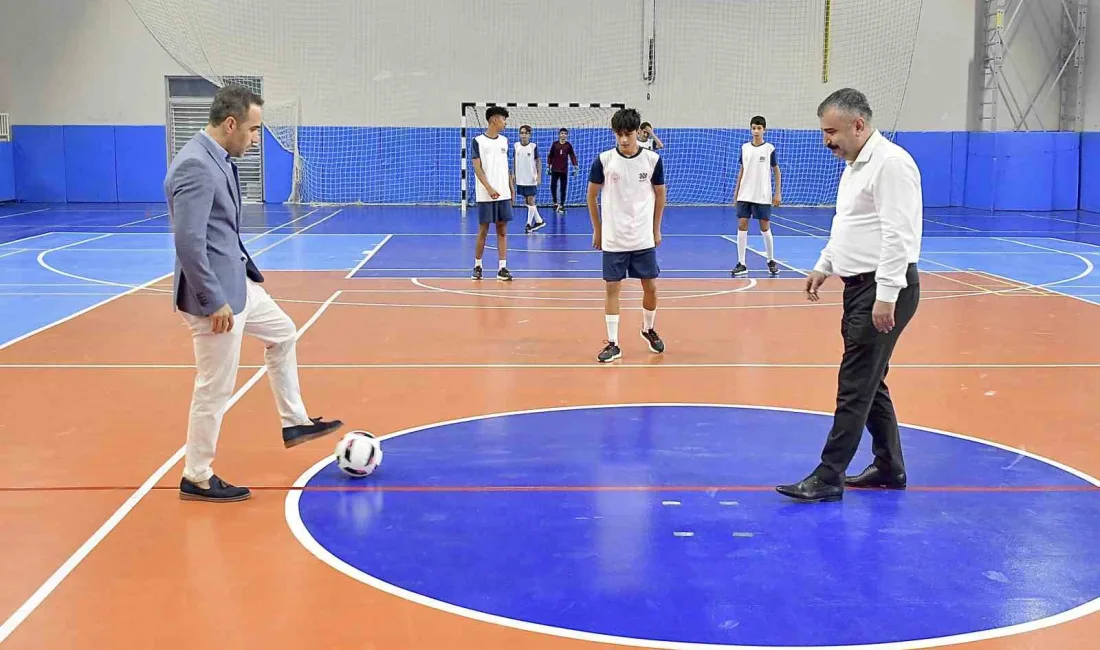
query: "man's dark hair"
525, 127
495, 110
646, 125
847, 100
233, 100
626, 120
758, 119
563, 130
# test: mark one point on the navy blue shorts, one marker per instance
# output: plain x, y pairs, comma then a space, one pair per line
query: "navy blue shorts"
494, 211
746, 210
527, 190
635, 264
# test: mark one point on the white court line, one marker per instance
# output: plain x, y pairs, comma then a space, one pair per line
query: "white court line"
77, 557
131, 223
462, 292
733, 240
369, 254
23, 239
14, 251
20, 214
1046, 285
951, 225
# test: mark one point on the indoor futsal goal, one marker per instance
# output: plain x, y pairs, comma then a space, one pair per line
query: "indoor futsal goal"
360, 95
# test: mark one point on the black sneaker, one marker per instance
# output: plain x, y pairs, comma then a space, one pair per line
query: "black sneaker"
539, 225
655, 342
218, 492
296, 435
773, 268
610, 352
504, 275
740, 269
477, 273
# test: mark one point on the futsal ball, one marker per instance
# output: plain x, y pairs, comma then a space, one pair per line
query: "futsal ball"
358, 453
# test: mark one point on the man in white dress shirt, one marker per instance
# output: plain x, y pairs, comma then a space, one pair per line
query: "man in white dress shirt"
873, 247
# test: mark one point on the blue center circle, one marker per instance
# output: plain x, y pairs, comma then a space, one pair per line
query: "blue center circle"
660, 523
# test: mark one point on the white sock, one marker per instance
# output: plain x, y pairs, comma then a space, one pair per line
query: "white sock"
769, 244
612, 327
742, 244
530, 215
538, 217
477, 262
503, 263
648, 318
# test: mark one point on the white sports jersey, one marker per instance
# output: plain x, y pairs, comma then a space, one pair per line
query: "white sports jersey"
756, 182
627, 199
527, 163
646, 144
493, 153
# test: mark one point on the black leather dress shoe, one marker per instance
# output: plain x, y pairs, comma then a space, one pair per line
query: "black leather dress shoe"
812, 488
218, 492
294, 436
875, 477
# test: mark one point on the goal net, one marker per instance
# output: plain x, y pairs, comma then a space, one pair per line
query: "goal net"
362, 94
587, 128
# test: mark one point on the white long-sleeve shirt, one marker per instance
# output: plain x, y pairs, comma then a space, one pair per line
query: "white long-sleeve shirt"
879, 218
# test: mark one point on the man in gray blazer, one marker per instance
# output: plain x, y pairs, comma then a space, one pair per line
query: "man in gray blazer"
217, 288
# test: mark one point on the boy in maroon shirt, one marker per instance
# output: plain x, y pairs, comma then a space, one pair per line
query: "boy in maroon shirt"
561, 152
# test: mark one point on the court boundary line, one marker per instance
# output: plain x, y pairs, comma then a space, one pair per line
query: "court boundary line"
39, 596
368, 255
306, 539
733, 240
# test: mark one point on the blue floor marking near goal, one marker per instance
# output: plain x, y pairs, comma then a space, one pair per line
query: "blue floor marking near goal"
1057, 249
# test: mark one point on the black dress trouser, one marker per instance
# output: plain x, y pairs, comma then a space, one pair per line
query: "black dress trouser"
862, 396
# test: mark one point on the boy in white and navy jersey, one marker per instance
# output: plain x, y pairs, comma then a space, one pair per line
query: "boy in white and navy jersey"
630, 183
526, 177
753, 194
493, 189
647, 139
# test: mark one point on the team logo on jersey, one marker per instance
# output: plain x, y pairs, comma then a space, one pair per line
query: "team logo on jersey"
613, 177
763, 158
643, 176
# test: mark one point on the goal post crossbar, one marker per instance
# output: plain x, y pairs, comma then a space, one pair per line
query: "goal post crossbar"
464, 127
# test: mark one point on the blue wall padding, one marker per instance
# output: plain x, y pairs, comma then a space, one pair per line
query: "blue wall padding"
1090, 172
39, 156
960, 141
90, 164
932, 151
278, 170
979, 171
1022, 171
141, 163
1067, 172
7, 172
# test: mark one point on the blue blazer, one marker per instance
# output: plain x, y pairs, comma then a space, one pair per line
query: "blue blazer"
204, 205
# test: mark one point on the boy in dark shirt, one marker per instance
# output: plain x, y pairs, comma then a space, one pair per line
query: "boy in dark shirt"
561, 152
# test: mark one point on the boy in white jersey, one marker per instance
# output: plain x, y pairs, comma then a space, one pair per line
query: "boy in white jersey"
526, 177
632, 180
493, 189
753, 194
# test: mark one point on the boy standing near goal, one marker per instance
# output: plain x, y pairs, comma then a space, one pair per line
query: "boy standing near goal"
648, 139
493, 189
753, 194
526, 177
632, 201
561, 152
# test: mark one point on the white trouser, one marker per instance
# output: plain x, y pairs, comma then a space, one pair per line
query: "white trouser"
217, 357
